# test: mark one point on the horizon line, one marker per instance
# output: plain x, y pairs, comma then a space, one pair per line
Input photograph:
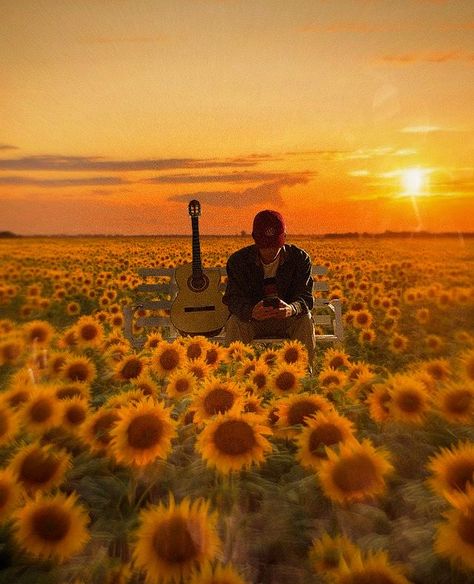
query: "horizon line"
5, 234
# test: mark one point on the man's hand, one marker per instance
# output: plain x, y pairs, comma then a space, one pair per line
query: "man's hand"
261, 312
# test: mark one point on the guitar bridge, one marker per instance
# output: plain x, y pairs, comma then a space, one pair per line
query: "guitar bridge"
199, 308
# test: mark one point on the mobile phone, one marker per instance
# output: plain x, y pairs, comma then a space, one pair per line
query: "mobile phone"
272, 301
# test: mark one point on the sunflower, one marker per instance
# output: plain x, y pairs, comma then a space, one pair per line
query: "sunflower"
39, 468
219, 575
253, 404
128, 368
196, 347
9, 493
331, 379
336, 358
56, 362
73, 308
199, 368
238, 351
17, 395
38, 332
245, 367
215, 354
293, 353
437, 369
409, 400
145, 383
422, 315
398, 343
362, 319
89, 332
286, 379
367, 336
217, 396
355, 473
79, 369
260, 376
327, 553
181, 383
70, 390
434, 343
454, 538
11, 350
142, 433
173, 541
9, 425
362, 385
455, 402
374, 568
379, 402
116, 353
466, 360
297, 410
270, 357
152, 341
168, 357
75, 413
233, 441
95, 431
68, 339
42, 411
325, 429
52, 527
452, 470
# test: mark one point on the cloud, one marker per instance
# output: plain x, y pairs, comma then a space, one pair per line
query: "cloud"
264, 193
434, 57
55, 183
89, 163
220, 178
325, 154
428, 130
8, 147
381, 151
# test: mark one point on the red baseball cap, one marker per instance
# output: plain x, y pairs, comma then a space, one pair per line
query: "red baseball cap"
269, 229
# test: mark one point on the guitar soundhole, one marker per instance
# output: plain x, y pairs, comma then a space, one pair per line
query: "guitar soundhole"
198, 283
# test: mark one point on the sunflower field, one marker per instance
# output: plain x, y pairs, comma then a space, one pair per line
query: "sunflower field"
194, 463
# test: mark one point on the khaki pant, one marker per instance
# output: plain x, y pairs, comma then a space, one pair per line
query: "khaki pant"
299, 328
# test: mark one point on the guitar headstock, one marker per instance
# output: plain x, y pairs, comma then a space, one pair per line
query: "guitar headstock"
194, 208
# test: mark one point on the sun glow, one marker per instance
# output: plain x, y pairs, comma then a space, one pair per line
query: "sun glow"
413, 181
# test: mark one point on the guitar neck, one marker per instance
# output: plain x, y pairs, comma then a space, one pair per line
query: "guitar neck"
197, 265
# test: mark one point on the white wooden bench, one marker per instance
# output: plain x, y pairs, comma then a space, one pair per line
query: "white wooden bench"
151, 309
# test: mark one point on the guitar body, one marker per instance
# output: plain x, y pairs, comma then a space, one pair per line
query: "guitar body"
198, 308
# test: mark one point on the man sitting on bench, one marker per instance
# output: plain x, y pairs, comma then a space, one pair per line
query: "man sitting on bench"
270, 289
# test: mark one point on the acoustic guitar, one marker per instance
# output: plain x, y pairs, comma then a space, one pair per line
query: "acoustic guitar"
198, 308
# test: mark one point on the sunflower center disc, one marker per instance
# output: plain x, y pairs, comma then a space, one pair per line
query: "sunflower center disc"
173, 542
234, 437
144, 431
218, 401
354, 474
300, 410
51, 524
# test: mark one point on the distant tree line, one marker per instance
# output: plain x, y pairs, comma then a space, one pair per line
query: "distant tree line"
8, 234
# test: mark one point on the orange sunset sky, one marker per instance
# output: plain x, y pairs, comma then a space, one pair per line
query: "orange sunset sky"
346, 115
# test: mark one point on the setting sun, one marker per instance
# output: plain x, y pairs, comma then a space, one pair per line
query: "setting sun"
413, 180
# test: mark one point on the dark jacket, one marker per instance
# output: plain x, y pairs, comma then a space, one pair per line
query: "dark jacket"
245, 280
